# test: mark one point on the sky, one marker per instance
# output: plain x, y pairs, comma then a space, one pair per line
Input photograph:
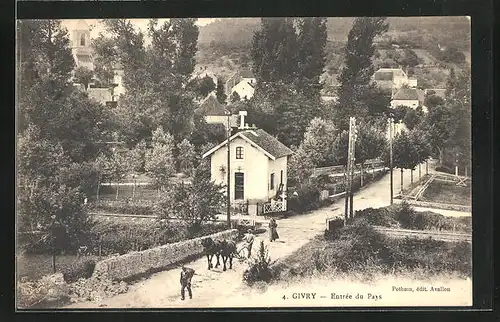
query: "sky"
140, 23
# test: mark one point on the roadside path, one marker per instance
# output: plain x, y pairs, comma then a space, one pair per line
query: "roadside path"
212, 287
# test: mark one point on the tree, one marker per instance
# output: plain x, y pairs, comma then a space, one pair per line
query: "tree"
293, 114
187, 157
155, 77
49, 101
195, 203
311, 56
412, 118
409, 59
220, 92
404, 153
318, 143
202, 87
105, 58
83, 76
274, 53
355, 77
433, 100
369, 144
160, 158
437, 128
57, 212
235, 97
451, 83
423, 149
137, 157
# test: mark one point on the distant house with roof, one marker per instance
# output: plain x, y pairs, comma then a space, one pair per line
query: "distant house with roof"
244, 75
406, 97
204, 72
392, 79
441, 92
244, 89
214, 112
258, 167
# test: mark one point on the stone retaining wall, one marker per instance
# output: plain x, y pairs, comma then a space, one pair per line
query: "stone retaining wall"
136, 264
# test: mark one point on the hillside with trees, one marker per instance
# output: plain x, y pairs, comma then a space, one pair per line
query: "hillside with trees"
434, 43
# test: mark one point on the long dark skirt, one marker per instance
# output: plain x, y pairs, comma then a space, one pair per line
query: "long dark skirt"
273, 234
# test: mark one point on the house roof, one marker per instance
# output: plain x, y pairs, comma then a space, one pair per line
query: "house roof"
246, 73
101, 95
408, 94
262, 140
386, 74
210, 106
437, 91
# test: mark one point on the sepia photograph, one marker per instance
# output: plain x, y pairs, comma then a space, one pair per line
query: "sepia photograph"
243, 163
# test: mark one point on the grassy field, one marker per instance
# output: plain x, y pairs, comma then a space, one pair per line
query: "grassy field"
358, 249
447, 193
34, 266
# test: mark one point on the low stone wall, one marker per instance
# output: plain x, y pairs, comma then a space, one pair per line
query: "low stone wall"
136, 264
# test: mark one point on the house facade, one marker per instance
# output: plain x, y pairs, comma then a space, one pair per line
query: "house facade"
258, 165
406, 97
392, 79
244, 89
215, 113
243, 75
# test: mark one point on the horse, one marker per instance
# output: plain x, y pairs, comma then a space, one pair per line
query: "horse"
210, 248
228, 251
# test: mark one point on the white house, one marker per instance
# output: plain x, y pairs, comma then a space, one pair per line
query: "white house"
406, 97
244, 89
393, 79
215, 113
236, 78
258, 166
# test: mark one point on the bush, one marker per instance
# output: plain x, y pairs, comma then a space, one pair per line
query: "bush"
307, 199
379, 216
130, 207
81, 269
259, 269
358, 248
445, 169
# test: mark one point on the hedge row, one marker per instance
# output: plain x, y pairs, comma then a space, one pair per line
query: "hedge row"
359, 248
404, 216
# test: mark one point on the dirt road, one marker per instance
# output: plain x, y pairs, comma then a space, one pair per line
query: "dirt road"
212, 287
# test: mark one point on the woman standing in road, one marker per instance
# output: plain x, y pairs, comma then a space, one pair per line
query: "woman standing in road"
273, 233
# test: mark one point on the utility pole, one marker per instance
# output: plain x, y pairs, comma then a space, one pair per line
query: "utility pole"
228, 169
350, 171
354, 136
391, 122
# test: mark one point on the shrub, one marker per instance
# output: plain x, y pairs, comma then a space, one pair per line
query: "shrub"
446, 169
379, 216
259, 269
80, 269
307, 199
132, 207
358, 248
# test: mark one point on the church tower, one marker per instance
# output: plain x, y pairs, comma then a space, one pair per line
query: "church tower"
81, 45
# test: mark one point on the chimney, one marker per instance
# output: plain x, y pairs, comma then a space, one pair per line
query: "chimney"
242, 119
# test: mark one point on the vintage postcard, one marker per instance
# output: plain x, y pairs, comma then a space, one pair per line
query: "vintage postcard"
243, 162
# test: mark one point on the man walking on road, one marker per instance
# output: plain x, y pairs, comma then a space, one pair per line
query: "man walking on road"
248, 239
186, 276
